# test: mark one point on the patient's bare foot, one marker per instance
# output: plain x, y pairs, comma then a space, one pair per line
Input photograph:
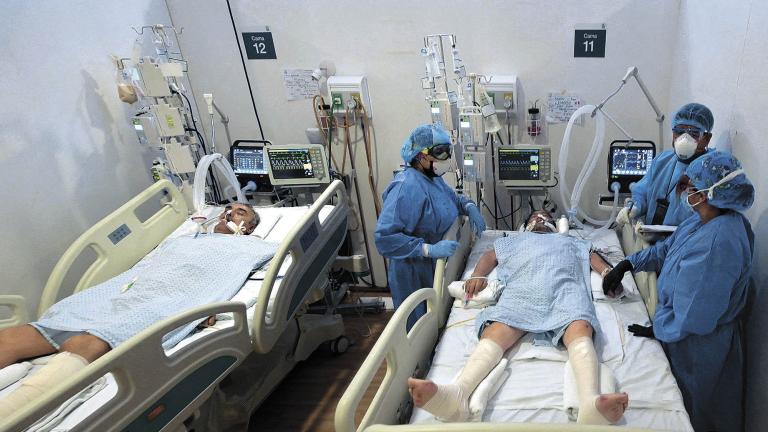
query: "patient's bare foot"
421, 391
612, 405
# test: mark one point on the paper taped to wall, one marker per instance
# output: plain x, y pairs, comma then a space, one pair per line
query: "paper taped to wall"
299, 84
561, 106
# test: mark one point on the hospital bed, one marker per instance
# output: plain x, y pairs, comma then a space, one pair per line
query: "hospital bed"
148, 388
531, 398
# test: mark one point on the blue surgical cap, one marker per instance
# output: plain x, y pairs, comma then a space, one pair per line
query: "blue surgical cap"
423, 137
736, 194
694, 114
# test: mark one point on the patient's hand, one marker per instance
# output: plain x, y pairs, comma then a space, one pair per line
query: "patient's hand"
209, 322
474, 285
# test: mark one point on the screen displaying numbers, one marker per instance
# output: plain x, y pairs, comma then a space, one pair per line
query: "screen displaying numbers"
517, 164
291, 163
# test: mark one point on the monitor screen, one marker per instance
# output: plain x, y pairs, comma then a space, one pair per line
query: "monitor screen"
291, 163
630, 161
248, 160
519, 164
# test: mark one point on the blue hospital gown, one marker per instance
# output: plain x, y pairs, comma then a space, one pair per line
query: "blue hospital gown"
417, 210
660, 182
546, 285
181, 274
703, 282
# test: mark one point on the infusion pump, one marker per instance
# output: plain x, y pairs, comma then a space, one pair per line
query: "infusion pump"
524, 167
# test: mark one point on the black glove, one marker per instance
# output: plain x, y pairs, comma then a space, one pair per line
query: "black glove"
612, 281
642, 331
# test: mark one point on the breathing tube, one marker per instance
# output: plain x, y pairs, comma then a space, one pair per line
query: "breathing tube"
572, 203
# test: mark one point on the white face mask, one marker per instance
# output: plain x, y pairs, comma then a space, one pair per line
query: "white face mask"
441, 167
710, 190
685, 147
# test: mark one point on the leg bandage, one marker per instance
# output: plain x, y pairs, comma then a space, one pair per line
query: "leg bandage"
451, 402
583, 358
59, 368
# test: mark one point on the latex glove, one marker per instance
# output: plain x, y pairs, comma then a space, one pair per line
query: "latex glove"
638, 227
441, 249
641, 331
626, 215
475, 218
612, 281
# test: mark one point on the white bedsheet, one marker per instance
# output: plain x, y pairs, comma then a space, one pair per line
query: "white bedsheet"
534, 390
277, 223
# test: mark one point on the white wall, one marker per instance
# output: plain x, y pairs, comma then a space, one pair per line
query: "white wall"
68, 155
721, 63
531, 39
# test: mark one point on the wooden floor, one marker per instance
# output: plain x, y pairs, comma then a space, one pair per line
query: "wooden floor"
306, 399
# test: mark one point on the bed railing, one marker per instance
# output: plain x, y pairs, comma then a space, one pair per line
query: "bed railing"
447, 271
119, 240
312, 246
154, 388
633, 242
405, 353
500, 427
18, 308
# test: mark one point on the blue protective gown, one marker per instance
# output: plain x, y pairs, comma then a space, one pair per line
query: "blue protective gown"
660, 181
702, 289
417, 210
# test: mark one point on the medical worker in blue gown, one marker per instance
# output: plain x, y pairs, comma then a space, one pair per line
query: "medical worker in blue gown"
654, 198
419, 207
702, 288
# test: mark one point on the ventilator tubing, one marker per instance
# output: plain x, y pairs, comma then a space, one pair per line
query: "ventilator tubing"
583, 358
451, 402
586, 171
59, 368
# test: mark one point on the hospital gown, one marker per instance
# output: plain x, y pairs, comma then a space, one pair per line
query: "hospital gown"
183, 273
702, 289
546, 285
417, 210
660, 182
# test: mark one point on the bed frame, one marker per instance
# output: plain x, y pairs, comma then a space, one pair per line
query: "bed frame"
631, 242
409, 354
158, 390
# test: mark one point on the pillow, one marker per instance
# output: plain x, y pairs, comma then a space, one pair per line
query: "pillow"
267, 222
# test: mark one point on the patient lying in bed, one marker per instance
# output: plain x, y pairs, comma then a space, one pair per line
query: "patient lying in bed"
546, 279
180, 274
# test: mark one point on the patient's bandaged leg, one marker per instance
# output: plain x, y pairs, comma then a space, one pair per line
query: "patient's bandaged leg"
451, 402
60, 367
583, 358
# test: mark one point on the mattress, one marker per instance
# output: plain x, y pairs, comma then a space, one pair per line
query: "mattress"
275, 225
534, 390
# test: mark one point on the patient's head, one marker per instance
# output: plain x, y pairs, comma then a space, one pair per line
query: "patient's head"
237, 216
540, 221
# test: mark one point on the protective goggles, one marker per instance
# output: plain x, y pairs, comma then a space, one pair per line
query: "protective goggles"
440, 152
694, 133
711, 190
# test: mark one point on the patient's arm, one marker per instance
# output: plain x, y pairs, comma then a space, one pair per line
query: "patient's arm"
483, 268
598, 264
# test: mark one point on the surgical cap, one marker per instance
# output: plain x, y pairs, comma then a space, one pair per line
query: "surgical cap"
423, 137
694, 114
736, 194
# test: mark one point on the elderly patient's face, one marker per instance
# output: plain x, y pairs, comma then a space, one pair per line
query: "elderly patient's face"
237, 213
541, 222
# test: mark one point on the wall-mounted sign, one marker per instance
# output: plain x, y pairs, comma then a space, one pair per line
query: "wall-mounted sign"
589, 42
259, 46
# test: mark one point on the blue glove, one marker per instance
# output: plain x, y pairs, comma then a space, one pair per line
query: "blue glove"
475, 218
441, 249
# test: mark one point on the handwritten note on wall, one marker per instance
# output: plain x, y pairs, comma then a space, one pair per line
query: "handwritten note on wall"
299, 84
561, 106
